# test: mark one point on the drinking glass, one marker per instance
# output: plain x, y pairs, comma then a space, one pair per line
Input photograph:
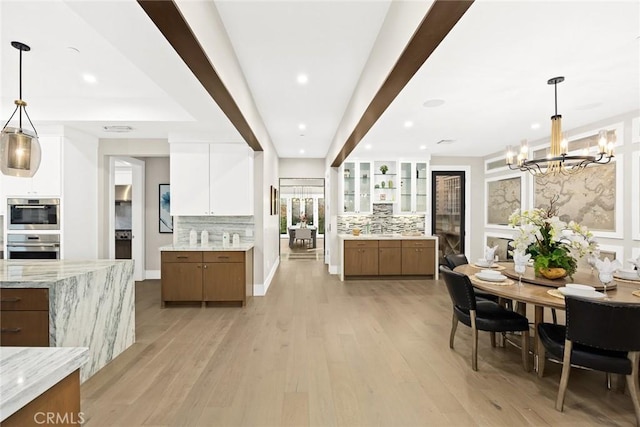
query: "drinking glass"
591, 260
605, 279
520, 269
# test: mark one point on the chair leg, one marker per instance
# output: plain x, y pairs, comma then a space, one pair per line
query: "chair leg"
474, 341
493, 339
632, 382
554, 316
564, 379
542, 352
454, 326
525, 350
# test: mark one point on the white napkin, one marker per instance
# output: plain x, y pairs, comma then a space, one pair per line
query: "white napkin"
520, 257
635, 262
489, 253
608, 267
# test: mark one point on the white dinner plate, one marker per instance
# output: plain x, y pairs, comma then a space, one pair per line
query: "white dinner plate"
578, 286
627, 276
491, 277
581, 293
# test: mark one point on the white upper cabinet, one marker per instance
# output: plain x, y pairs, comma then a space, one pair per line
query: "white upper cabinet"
385, 183
47, 180
413, 187
211, 179
357, 184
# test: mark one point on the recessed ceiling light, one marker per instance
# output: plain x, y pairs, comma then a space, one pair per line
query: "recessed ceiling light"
73, 49
423, 147
368, 146
301, 151
117, 128
89, 78
302, 79
408, 124
302, 126
445, 141
535, 126
432, 103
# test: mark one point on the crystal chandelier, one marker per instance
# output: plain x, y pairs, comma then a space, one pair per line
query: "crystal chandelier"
19, 148
558, 161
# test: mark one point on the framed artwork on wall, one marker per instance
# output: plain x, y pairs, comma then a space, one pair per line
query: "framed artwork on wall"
503, 195
592, 199
273, 201
164, 209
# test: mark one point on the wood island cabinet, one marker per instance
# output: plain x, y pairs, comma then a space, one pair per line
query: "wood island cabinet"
207, 276
417, 257
361, 258
390, 257
24, 317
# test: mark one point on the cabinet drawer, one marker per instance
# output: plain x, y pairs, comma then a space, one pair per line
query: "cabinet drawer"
360, 244
182, 256
230, 256
24, 328
24, 299
418, 244
389, 243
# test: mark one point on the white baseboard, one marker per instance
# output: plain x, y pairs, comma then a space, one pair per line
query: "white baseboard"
260, 289
152, 274
333, 269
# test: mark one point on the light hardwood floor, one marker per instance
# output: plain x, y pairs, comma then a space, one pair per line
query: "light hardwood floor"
317, 351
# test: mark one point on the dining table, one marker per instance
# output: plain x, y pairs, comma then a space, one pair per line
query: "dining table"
292, 234
543, 293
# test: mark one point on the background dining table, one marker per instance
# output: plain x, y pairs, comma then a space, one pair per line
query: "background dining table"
292, 234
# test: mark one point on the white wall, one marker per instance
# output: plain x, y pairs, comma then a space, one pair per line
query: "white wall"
156, 173
301, 168
79, 196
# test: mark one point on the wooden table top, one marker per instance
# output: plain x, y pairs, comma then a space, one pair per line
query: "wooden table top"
536, 294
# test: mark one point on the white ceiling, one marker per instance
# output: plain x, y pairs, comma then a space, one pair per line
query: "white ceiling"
491, 71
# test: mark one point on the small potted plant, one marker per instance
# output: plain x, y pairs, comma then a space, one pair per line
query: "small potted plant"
384, 169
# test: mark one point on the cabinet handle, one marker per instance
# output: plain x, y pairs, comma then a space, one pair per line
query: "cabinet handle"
223, 257
10, 330
182, 257
205, 266
198, 266
12, 299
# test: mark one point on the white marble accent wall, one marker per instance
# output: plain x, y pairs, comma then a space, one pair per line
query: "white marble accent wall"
215, 225
91, 303
382, 221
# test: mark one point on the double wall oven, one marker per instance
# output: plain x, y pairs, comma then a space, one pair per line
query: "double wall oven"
33, 228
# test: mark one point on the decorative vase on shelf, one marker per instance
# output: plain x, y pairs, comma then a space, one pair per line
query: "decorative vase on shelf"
384, 169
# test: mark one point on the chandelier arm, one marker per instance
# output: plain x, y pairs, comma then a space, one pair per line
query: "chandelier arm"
13, 114
30, 122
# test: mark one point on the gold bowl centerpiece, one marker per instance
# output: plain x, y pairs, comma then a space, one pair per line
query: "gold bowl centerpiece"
552, 243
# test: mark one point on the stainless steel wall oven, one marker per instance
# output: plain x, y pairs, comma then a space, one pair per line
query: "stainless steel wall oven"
33, 214
33, 246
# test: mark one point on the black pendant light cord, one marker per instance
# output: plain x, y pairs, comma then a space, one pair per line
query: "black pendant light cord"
20, 104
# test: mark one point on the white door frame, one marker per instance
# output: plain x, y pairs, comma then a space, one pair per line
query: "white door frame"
137, 213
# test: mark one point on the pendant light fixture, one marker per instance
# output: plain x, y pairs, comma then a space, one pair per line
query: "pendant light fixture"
19, 148
558, 161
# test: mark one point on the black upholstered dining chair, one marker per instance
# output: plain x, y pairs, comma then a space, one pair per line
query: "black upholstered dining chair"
481, 315
454, 260
599, 335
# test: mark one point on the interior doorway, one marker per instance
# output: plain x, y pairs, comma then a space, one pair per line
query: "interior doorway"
302, 212
127, 171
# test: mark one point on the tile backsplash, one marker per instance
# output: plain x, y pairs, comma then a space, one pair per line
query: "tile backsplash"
215, 225
382, 221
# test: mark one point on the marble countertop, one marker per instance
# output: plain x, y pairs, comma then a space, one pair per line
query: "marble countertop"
27, 372
385, 237
242, 248
48, 271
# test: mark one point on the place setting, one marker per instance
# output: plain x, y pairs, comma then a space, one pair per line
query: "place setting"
489, 260
629, 275
493, 277
578, 290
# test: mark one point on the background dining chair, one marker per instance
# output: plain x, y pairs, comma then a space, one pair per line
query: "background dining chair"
303, 234
454, 260
599, 335
481, 315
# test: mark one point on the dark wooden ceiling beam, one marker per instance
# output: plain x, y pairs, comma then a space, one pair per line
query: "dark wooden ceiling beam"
167, 17
439, 20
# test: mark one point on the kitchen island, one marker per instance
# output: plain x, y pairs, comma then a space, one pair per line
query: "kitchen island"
64, 303
386, 255
37, 381
213, 274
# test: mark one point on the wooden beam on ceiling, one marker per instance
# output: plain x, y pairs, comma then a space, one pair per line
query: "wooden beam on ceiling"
167, 17
439, 20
